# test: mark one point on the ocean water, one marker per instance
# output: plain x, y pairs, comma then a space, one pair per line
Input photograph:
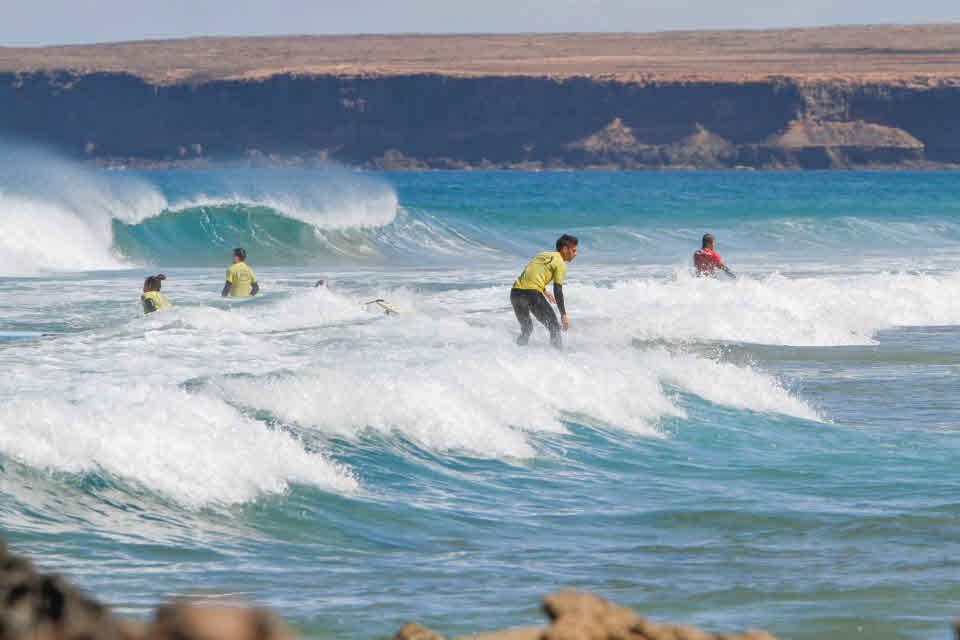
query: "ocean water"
778, 451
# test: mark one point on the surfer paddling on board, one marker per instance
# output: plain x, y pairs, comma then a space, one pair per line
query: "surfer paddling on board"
706, 261
240, 279
528, 294
152, 300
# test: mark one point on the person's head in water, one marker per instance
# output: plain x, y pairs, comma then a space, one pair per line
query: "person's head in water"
708, 241
239, 255
152, 283
567, 247
321, 283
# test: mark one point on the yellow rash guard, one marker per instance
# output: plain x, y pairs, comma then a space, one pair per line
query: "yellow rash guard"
158, 300
545, 266
241, 279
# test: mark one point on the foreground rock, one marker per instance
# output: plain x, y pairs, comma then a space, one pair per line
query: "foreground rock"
46, 607
40, 606
194, 621
584, 616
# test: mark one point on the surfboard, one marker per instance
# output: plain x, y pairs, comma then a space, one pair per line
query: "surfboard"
229, 302
389, 309
19, 335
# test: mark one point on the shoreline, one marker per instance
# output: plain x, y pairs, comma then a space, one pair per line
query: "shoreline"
297, 163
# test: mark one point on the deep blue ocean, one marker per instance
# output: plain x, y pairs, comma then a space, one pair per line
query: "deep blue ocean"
778, 451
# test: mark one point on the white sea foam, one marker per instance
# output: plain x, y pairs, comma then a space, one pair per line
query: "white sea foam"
827, 311
330, 199
450, 382
193, 447
370, 210
446, 375
38, 237
488, 404
57, 216
730, 385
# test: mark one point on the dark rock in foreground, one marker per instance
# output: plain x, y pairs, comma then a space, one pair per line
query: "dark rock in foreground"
39, 606
46, 607
195, 621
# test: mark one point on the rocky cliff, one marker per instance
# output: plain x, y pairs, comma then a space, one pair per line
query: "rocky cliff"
424, 114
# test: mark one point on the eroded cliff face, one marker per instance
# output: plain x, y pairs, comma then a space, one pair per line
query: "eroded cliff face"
437, 121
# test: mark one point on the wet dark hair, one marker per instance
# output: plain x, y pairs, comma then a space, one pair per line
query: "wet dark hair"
319, 282
240, 253
152, 283
567, 241
707, 239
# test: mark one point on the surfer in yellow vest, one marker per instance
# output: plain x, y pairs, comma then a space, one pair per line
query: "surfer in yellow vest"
240, 279
152, 299
528, 295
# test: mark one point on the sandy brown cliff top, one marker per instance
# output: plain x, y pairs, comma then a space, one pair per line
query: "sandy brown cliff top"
917, 54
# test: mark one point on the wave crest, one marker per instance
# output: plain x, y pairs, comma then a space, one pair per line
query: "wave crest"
56, 215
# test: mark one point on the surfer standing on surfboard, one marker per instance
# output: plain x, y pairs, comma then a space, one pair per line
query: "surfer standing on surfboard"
240, 279
706, 261
528, 295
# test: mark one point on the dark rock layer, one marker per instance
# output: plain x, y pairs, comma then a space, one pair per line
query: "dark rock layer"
438, 121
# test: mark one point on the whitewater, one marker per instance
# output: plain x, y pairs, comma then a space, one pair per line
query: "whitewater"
776, 451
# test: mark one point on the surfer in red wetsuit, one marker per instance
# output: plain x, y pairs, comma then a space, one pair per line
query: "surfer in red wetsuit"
706, 261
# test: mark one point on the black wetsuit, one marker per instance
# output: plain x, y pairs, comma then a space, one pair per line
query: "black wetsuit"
527, 301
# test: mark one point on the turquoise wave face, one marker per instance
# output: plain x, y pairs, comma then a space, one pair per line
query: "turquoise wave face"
651, 218
79, 220
205, 236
